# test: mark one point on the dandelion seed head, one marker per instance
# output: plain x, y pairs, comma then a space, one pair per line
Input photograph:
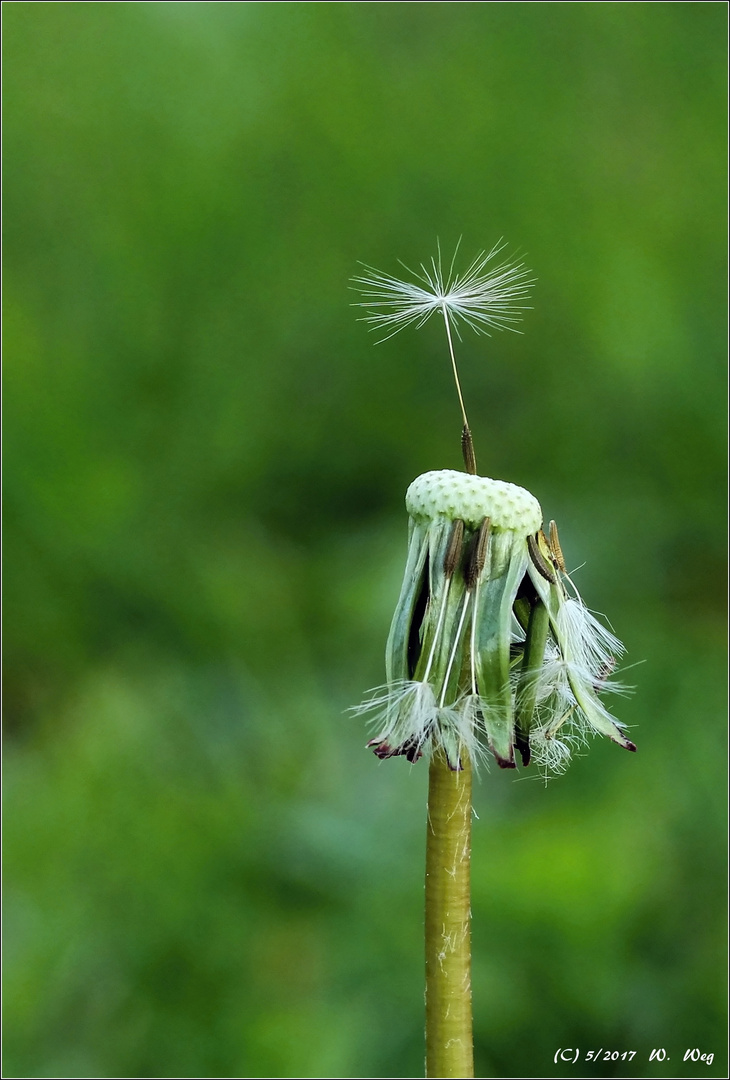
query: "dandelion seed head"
487, 295
489, 658
459, 496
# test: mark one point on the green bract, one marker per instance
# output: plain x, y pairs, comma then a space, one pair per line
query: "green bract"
487, 648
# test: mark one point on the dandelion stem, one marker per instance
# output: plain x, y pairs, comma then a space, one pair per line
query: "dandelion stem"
449, 1051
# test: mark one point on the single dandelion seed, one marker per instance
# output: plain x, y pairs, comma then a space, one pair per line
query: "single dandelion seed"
487, 295
484, 296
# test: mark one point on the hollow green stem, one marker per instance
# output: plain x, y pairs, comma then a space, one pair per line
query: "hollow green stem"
449, 1048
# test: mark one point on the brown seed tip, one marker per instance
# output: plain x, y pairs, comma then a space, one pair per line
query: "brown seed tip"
538, 560
477, 554
453, 551
467, 450
409, 749
504, 763
555, 547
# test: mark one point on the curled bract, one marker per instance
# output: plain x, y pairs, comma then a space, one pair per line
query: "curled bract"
491, 647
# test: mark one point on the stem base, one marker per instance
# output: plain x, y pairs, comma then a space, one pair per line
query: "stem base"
449, 1042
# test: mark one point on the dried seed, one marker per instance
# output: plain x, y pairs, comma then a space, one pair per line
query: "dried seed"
453, 551
477, 554
467, 450
555, 547
538, 560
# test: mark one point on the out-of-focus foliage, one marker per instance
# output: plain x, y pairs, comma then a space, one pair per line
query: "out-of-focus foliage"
206, 457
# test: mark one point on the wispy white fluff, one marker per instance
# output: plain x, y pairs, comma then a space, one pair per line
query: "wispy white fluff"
587, 643
575, 669
481, 297
549, 683
407, 713
552, 753
400, 712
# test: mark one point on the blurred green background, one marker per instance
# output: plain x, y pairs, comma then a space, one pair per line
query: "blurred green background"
206, 458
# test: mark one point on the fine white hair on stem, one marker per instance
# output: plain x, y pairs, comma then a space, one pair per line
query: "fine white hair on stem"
481, 297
